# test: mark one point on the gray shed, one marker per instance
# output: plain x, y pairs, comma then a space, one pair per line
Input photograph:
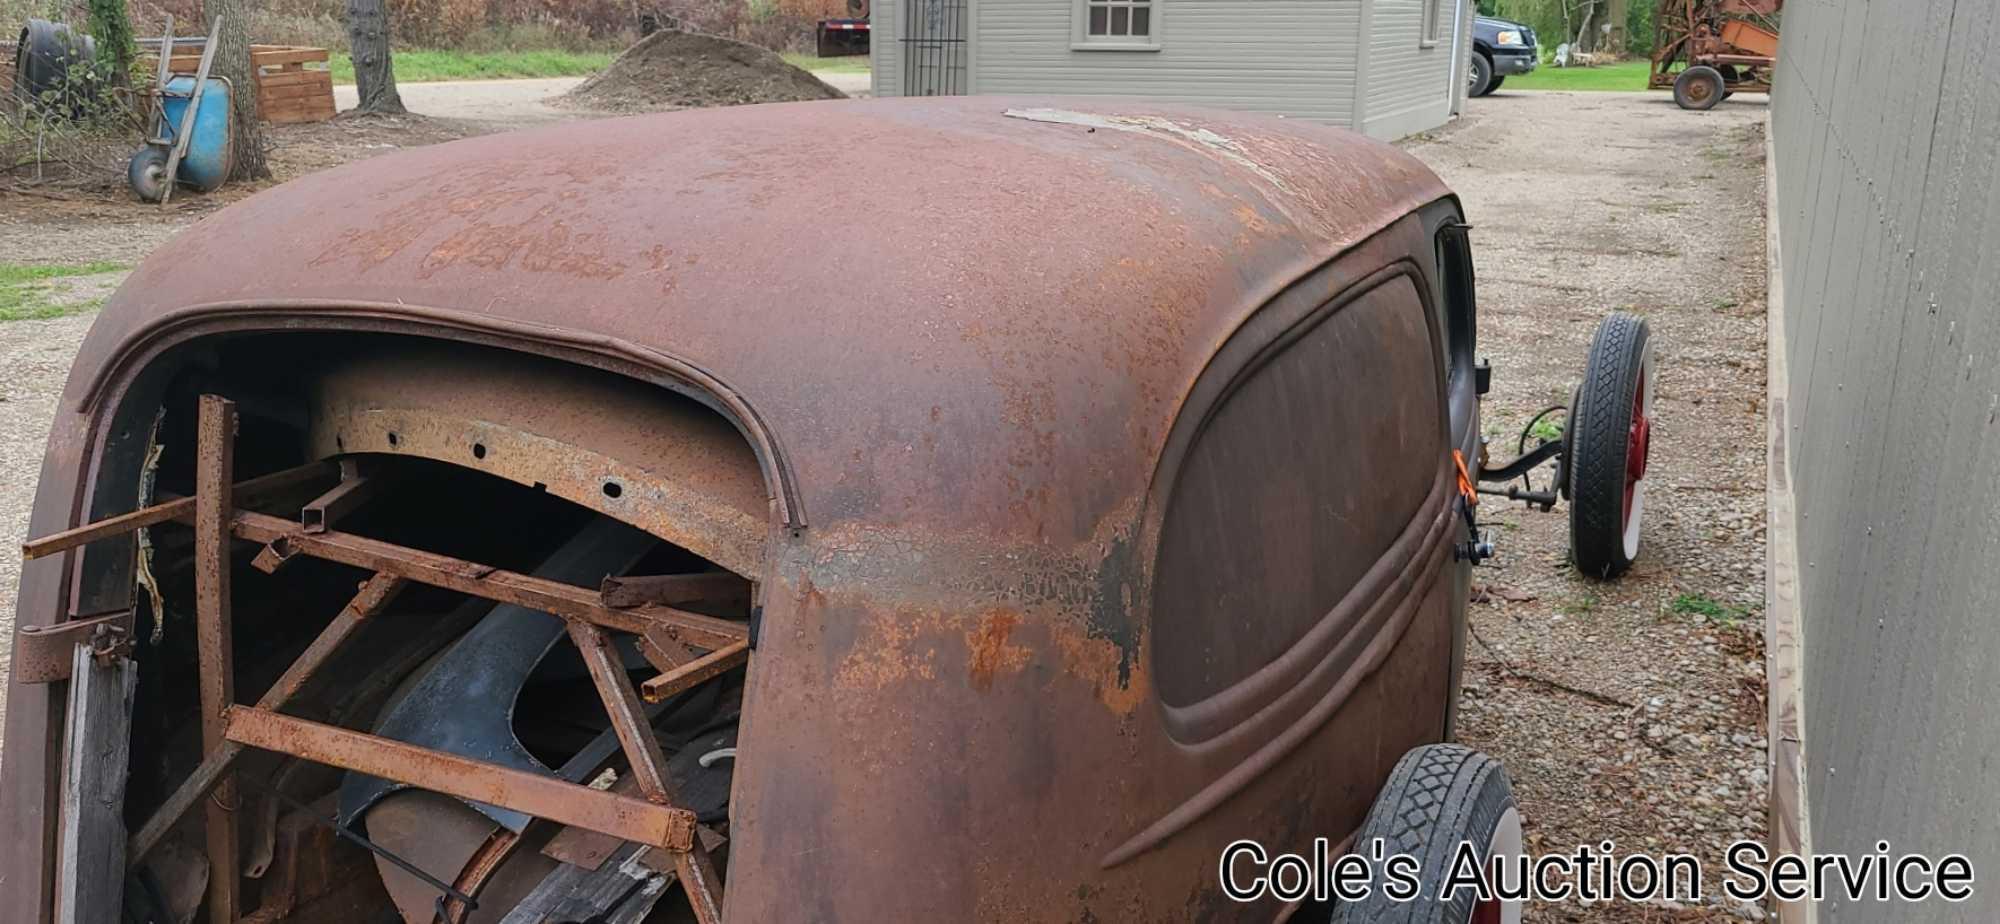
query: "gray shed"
1387, 67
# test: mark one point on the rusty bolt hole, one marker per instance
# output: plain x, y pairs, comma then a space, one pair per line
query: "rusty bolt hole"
479, 450
613, 489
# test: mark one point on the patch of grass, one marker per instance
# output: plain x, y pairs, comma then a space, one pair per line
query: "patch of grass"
1548, 429
845, 64
420, 65
1577, 604
1625, 75
1724, 304
25, 291
1705, 607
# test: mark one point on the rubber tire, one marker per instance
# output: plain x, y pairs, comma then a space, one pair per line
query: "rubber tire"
1480, 80
1494, 87
1438, 796
1684, 88
44, 53
1601, 420
146, 174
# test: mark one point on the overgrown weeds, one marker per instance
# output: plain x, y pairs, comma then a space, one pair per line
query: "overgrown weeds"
77, 135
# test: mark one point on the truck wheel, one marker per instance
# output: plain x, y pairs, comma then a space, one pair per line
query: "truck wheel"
1438, 797
1479, 77
1611, 419
1699, 87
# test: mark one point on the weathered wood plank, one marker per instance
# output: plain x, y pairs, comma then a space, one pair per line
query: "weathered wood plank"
622, 890
90, 863
295, 78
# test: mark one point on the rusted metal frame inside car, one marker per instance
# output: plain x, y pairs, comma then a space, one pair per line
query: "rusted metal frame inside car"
229, 728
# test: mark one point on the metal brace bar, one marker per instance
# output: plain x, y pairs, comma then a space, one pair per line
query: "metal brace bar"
215, 464
719, 589
628, 715
452, 775
247, 492
354, 489
375, 593
564, 600
695, 672
649, 767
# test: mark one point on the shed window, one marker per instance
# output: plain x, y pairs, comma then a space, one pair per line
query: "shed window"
1117, 23
1433, 22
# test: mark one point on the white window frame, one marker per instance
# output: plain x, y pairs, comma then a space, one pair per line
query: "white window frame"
1433, 24
1082, 40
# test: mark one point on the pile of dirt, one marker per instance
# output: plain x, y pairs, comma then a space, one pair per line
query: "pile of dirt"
685, 70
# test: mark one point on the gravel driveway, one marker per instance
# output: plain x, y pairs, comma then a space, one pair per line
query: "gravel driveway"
1631, 710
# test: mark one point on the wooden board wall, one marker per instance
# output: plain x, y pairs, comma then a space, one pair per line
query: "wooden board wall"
288, 89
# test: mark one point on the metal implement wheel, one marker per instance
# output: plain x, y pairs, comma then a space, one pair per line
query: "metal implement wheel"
1699, 87
147, 173
1479, 76
1610, 426
1439, 796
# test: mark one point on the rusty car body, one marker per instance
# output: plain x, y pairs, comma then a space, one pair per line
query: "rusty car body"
1104, 512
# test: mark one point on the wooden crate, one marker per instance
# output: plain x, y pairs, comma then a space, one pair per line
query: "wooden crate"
288, 90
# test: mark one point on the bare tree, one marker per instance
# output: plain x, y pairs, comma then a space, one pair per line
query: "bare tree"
232, 60
368, 40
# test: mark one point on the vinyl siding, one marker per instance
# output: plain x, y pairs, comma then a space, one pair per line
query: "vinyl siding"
1409, 86
885, 58
1300, 58
1295, 57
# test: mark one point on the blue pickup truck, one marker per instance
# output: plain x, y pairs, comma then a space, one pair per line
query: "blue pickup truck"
1500, 48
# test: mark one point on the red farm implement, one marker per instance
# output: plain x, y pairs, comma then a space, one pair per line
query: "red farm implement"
1710, 49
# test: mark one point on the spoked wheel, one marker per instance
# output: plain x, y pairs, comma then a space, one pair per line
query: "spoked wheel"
1439, 796
1611, 428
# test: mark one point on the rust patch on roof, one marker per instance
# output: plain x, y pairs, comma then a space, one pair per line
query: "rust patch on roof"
987, 651
1192, 137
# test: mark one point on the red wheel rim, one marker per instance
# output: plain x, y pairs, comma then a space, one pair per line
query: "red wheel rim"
1638, 443
1486, 912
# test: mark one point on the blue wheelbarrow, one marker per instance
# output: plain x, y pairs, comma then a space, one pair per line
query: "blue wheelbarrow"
192, 140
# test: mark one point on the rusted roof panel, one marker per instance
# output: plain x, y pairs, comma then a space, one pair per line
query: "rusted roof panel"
981, 305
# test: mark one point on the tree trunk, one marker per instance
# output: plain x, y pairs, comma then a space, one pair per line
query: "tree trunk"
1586, 37
1618, 15
368, 41
232, 60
